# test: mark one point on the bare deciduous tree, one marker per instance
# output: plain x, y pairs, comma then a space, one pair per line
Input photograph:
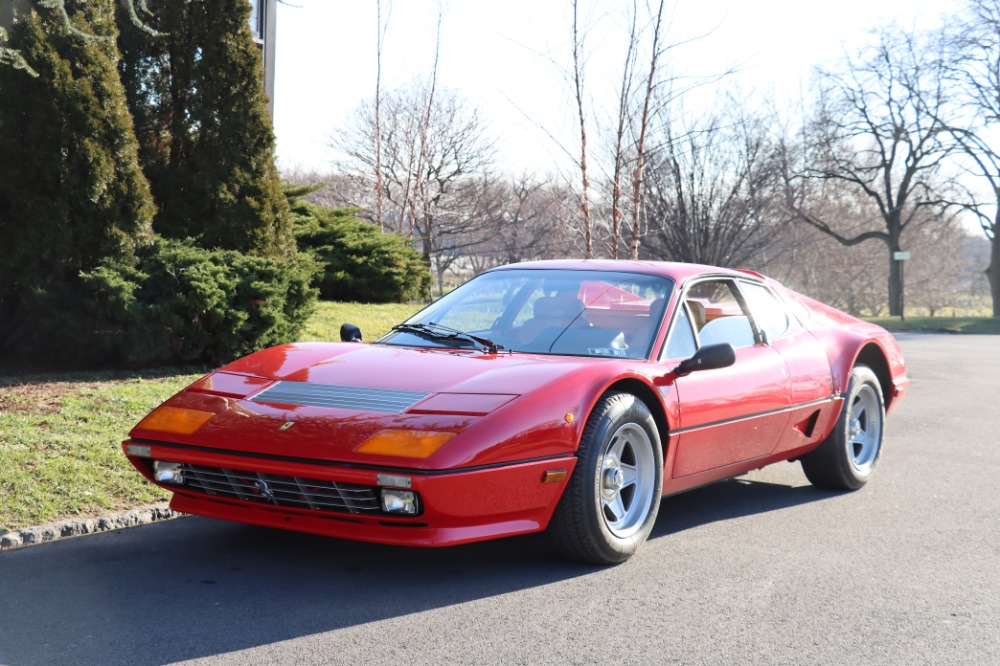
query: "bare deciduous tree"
878, 130
640, 152
526, 219
379, 39
429, 100
588, 242
435, 157
937, 274
851, 278
976, 73
940, 272
714, 191
622, 126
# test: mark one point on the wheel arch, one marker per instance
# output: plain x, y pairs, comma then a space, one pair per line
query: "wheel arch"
649, 396
874, 357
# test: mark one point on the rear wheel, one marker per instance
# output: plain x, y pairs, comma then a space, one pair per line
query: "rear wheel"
610, 504
847, 458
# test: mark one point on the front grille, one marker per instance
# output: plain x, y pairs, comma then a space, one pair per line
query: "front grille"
284, 491
393, 401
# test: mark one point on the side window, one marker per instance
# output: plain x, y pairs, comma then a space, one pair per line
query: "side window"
767, 311
681, 343
717, 314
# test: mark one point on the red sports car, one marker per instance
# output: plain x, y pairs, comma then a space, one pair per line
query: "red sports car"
567, 396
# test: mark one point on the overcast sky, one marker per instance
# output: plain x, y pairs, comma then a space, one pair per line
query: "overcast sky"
499, 55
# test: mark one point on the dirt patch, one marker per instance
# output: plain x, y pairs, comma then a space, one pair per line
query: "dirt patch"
38, 398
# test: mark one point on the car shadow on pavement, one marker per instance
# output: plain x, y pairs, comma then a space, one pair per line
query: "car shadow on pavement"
194, 587
732, 498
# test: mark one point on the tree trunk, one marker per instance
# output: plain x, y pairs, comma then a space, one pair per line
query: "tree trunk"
896, 301
588, 242
640, 152
379, 195
895, 283
993, 272
439, 269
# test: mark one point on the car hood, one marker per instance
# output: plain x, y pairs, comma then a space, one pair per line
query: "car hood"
336, 396
406, 368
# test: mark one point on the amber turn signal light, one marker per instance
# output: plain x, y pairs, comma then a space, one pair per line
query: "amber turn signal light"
405, 443
175, 419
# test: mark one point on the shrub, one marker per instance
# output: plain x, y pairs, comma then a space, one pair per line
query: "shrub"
187, 304
359, 263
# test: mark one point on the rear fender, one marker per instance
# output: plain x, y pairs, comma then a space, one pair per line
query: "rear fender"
847, 351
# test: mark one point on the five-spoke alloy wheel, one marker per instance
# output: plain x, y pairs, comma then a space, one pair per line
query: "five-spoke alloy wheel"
613, 496
847, 458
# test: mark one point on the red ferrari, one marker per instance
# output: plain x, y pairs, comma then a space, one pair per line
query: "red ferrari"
567, 396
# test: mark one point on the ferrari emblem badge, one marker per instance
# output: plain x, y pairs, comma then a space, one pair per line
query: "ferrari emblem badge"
287, 425
264, 490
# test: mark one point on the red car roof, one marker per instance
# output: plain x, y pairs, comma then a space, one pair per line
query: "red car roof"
678, 271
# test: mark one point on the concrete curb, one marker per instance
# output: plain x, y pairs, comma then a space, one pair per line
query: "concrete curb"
65, 529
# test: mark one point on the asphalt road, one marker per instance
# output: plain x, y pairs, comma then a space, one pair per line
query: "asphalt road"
760, 570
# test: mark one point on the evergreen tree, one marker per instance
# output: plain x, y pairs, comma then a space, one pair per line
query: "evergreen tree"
208, 146
72, 193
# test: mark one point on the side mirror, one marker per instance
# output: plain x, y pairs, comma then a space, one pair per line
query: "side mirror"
350, 333
708, 358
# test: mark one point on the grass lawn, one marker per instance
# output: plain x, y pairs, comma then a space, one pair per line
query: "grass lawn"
967, 325
374, 320
60, 436
60, 453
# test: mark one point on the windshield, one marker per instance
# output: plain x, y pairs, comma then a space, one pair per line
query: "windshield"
576, 313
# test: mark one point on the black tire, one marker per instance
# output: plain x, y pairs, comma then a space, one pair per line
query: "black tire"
610, 504
846, 459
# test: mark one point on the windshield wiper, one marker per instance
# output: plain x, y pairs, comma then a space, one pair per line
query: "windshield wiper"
441, 332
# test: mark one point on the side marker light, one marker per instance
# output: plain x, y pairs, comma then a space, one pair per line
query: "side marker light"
394, 480
554, 476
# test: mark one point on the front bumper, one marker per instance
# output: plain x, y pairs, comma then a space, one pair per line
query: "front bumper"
457, 506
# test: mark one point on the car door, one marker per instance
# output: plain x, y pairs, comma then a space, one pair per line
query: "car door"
727, 415
812, 400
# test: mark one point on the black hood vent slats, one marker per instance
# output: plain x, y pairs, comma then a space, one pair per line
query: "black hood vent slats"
392, 401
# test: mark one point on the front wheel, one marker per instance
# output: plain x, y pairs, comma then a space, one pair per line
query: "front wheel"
610, 504
846, 459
